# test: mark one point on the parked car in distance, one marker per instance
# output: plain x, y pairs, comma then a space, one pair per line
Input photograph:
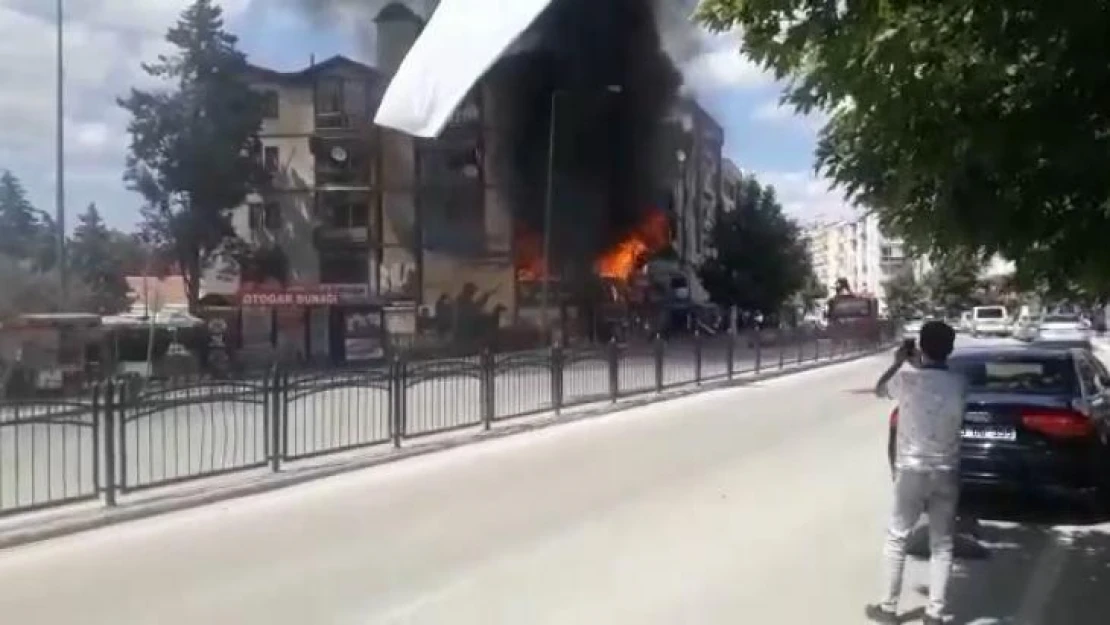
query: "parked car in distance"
1025, 328
990, 321
1036, 425
965, 322
1062, 330
912, 327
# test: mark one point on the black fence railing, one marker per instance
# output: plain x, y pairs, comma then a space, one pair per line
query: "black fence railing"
128, 435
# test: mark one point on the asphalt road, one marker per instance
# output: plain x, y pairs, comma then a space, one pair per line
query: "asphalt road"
762, 504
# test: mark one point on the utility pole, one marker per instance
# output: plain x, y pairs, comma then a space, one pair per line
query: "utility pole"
60, 185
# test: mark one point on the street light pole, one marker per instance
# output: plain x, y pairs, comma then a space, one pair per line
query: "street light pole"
60, 188
545, 267
545, 283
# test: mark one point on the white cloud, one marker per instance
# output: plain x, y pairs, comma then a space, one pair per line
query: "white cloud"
105, 41
718, 65
806, 196
774, 112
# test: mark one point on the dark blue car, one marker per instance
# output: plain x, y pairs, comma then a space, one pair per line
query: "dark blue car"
1037, 424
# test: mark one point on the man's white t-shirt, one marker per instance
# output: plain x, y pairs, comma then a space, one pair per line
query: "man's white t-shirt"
931, 405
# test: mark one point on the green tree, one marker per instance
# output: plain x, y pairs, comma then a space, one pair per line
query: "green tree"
905, 296
970, 125
96, 262
26, 233
30, 290
954, 280
813, 294
759, 260
194, 144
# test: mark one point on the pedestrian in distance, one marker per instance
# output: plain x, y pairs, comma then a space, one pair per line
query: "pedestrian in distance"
931, 405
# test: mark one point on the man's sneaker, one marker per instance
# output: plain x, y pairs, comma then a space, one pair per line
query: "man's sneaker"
879, 614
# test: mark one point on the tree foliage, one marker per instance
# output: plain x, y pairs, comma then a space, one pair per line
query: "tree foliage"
26, 233
98, 263
27, 289
759, 260
965, 125
953, 281
905, 296
194, 144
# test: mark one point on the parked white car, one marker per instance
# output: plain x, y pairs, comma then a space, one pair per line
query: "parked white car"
912, 328
1063, 330
990, 321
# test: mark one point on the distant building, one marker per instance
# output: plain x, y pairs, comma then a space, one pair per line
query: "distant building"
731, 179
858, 251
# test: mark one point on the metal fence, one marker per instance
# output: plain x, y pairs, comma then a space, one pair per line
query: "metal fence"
123, 436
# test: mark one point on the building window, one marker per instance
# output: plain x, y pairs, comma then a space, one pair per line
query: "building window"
271, 159
271, 216
350, 267
271, 105
255, 216
344, 210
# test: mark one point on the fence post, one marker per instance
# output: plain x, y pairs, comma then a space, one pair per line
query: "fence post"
614, 361
397, 400
801, 339
758, 350
817, 347
488, 390
277, 383
657, 353
556, 352
108, 413
730, 350
782, 347
697, 357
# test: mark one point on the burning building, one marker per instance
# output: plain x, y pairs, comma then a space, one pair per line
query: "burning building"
387, 234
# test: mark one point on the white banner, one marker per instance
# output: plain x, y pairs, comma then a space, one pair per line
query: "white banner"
463, 39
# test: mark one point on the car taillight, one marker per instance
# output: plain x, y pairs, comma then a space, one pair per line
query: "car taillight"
1058, 423
894, 417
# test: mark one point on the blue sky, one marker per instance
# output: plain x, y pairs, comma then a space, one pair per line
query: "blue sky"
106, 40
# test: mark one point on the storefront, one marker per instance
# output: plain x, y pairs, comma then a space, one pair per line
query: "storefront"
311, 323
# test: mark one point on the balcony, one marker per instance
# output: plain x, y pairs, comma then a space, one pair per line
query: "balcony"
342, 124
343, 163
346, 237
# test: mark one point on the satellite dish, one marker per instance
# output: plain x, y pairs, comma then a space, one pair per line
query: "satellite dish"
338, 154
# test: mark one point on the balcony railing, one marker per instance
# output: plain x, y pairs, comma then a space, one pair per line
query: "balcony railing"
341, 121
342, 236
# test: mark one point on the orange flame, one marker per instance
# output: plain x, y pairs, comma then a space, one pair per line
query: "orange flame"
650, 235
528, 255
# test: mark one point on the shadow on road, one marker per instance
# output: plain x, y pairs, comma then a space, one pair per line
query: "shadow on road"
1037, 573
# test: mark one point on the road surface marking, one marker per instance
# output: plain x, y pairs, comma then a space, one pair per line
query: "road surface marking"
1046, 574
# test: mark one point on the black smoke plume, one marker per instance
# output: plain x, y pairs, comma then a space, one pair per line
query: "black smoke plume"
608, 146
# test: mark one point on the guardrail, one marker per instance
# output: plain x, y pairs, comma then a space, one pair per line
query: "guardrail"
127, 435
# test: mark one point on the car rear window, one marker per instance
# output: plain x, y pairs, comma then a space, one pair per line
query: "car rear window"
1036, 375
990, 313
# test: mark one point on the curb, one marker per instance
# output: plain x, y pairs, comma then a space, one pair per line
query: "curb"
105, 517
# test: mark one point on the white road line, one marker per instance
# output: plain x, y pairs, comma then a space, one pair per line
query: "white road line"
1046, 574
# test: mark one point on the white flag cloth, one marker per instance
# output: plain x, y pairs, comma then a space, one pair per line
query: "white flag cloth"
463, 39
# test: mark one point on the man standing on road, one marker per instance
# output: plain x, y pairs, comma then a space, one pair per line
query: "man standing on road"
931, 403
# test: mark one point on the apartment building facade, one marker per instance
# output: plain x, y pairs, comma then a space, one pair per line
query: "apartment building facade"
695, 187
379, 232
856, 250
